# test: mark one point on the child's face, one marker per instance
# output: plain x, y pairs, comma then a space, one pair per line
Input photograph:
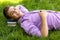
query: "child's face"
14, 12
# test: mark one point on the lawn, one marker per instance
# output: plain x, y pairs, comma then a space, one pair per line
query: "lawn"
17, 33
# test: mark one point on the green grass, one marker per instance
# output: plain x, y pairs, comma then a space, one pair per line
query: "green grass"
17, 33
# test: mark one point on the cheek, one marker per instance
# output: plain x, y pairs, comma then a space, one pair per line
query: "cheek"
17, 11
16, 16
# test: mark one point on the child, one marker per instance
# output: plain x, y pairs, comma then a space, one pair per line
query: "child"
36, 22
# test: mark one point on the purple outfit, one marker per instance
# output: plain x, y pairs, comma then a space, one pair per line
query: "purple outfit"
31, 21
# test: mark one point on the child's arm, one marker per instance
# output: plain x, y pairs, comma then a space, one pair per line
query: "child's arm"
22, 8
44, 26
29, 27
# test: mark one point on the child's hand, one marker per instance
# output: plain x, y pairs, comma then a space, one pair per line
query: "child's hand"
17, 7
43, 13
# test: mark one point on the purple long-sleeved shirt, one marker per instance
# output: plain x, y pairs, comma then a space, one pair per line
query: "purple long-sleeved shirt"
31, 21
